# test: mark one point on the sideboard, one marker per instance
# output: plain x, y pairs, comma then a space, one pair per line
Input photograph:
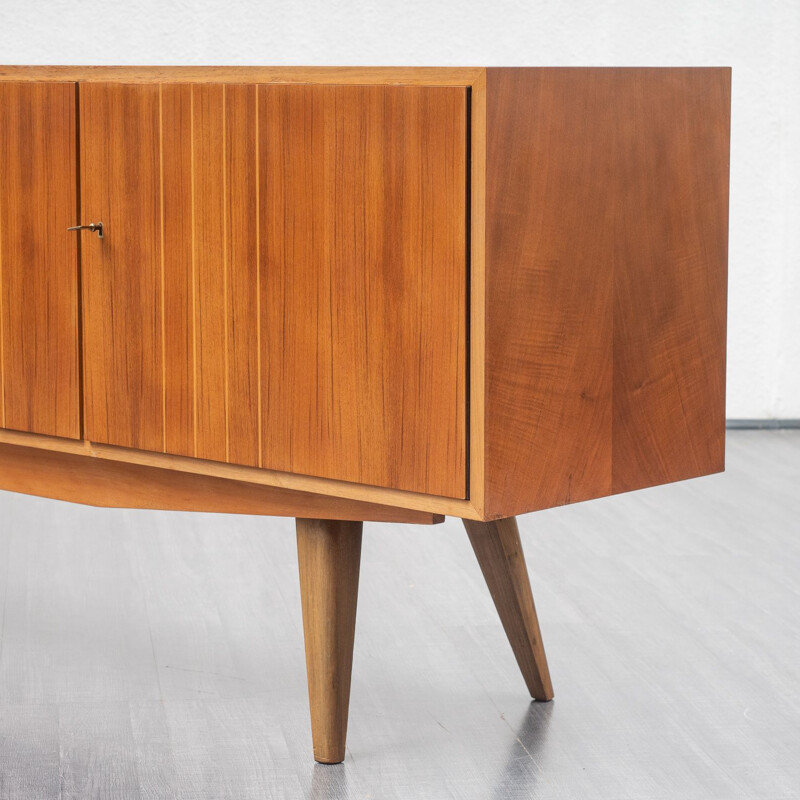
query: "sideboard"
356, 294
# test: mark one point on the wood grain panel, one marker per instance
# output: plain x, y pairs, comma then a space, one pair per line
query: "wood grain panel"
606, 230
191, 241
98, 482
177, 205
242, 225
39, 373
209, 190
363, 245
122, 317
548, 288
319, 296
670, 278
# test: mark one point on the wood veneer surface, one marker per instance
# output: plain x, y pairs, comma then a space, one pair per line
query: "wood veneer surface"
100, 482
283, 278
597, 293
393, 498
364, 285
39, 371
606, 256
405, 76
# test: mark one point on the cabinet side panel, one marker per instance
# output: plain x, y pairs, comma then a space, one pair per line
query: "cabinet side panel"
606, 279
670, 276
38, 259
549, 310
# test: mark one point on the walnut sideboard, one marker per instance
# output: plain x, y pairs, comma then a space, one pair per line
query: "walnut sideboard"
349, 294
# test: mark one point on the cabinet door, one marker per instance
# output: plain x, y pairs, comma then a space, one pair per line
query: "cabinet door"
39, 378
282, 282
363, 240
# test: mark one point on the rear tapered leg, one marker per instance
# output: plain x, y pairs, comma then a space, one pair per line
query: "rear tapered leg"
499, 551
329, 556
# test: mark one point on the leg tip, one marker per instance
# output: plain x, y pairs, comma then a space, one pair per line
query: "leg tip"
335, 758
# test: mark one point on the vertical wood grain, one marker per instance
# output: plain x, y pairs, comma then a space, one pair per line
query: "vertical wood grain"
39, 373
363, 246
120, 186
310, 247
177, 234
606, 258
242, 226
210, 258
294, 359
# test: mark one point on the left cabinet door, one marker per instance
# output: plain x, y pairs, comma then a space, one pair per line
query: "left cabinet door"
39, 332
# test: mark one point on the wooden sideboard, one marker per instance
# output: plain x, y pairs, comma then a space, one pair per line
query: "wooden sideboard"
350, 294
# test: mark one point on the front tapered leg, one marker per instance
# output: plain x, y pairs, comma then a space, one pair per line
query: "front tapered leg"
329, 556
499, 551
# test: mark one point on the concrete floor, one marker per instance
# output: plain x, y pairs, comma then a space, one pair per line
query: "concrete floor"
159, 655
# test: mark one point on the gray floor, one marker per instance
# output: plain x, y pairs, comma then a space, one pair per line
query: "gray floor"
155, 655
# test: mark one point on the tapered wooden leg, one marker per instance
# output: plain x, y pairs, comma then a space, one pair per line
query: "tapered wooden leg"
499, 551
329, 555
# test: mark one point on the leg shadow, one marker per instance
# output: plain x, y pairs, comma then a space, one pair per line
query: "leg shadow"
523, 767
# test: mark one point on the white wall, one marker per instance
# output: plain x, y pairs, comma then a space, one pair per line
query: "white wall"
760, 39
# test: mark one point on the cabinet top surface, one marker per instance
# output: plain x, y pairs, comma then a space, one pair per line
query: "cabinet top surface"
452, 76
441, 76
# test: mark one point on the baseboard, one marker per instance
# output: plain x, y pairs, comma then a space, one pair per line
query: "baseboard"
761, 424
